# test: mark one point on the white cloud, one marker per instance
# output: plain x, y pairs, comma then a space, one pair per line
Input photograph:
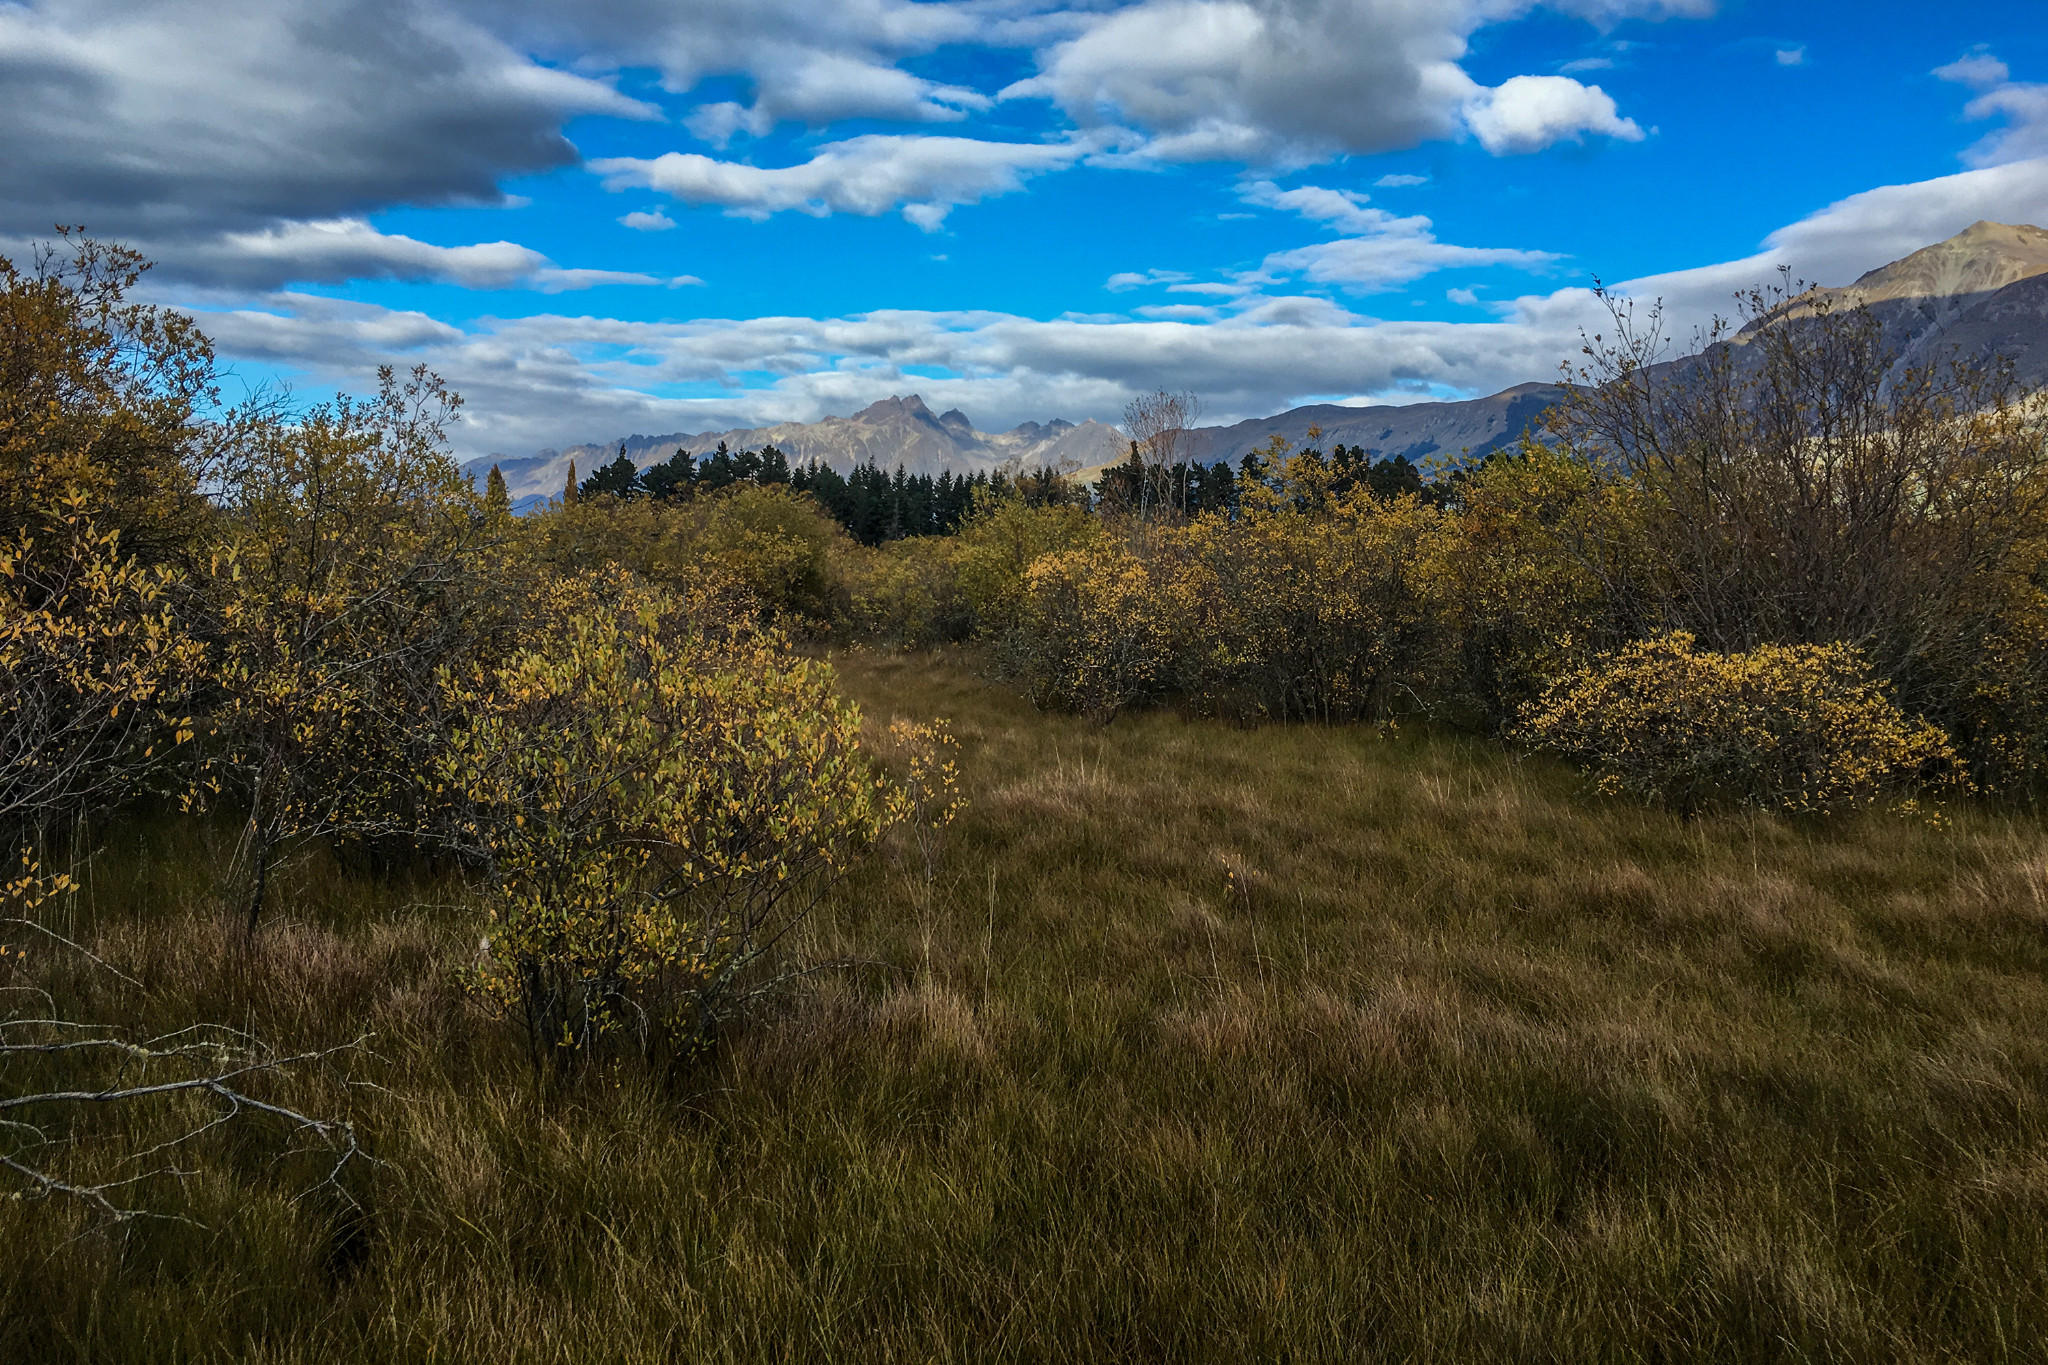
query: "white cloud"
1379, 250
176, 120
1528, 113
808, 62
1849, 237
333, 250
1294, 81
553, 380
1978, 70
1791, 56
1465, 297
189, 127
926, 177
2023, 105
1130, 279
1400, 182
640, 221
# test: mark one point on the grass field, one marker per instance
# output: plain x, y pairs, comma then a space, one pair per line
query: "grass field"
1206, 1044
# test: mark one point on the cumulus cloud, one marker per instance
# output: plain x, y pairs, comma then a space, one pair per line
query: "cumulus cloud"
1978, 70
640, 221
1300, 80
1131, 279
925, 177
1851, 236
1528, 113
1377, 250
334, 250
808, 62
553, 380
184, 125
185, 117
2023, 105
241, 142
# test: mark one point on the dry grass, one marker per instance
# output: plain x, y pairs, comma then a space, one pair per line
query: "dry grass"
1208, 1043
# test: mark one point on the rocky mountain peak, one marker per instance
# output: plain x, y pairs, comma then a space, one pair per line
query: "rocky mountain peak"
884, 409
1981, 259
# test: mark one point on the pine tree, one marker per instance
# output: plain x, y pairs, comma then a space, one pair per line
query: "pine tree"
496, 498
569, 490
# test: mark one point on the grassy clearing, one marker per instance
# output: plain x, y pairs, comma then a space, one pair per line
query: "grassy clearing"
1206, 1043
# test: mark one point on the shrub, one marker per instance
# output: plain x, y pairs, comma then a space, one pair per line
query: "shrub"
1097, 630
777, 542
660, 789
1797, 728
1321, 616
1283, 612
350, 565
996, 547
906, 593
1795, 482
95, 665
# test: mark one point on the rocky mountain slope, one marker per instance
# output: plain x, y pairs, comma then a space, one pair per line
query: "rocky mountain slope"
1981, 294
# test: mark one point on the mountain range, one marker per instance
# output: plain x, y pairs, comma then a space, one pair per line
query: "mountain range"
1981, 294
895, 431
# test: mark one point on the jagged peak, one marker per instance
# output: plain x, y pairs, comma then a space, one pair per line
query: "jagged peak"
882, 409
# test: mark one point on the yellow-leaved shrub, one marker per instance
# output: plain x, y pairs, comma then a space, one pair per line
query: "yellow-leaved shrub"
660, 788
96, 667
1100, 628
1798, 728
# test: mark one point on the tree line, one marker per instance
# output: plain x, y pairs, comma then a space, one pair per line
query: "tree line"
876, 505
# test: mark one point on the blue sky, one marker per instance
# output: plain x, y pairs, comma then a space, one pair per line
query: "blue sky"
628, 216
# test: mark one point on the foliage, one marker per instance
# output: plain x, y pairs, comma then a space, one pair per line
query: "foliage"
99, 398
1099, 629
1797, 728
96, 667
1307, 605
661, 791
1321, 616
348, 567
930, 797
907, 593
872, 504
1788, 486
1515, 591
772, 541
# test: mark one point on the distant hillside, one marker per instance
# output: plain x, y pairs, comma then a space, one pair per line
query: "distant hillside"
1471, 427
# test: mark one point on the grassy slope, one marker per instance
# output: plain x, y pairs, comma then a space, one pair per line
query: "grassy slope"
1463, 1065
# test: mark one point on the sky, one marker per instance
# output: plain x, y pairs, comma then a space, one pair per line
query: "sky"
617, 217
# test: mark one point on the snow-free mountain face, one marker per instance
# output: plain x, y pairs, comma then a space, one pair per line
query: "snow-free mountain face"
1980, 295
895, 431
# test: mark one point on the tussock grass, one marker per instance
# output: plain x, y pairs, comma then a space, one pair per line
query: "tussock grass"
1206, 1043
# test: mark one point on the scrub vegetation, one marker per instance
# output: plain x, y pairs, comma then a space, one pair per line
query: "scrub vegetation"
1585, 905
